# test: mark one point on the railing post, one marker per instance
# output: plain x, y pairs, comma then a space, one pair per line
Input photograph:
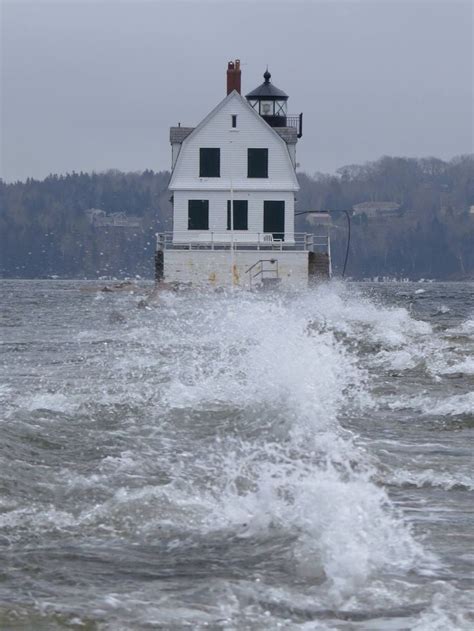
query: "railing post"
329, 255
212, 240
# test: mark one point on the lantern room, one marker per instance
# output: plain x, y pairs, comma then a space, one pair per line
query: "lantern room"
269, 102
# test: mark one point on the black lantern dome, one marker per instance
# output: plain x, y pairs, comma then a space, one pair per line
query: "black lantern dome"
269, 102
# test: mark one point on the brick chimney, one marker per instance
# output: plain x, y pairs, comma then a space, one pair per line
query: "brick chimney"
233, 76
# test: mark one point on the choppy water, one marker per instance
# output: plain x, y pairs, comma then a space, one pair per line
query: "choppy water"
237, 461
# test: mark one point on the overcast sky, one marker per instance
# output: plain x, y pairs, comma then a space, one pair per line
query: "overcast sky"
96, 85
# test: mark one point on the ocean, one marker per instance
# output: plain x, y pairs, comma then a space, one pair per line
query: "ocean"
293, 460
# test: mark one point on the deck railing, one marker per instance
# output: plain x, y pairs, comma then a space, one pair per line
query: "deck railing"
210, 240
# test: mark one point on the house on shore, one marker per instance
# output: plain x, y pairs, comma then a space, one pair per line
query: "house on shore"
100, 219
377, 210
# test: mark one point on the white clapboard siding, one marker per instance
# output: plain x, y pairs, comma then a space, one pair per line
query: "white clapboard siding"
251, 131
218, 209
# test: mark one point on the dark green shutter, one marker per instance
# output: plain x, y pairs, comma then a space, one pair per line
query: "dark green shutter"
209, 162
257, 162
274, 218
198, 214
240, 214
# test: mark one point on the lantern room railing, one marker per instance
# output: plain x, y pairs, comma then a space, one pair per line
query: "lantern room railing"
296, 122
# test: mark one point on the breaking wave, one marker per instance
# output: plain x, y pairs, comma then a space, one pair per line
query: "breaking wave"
289, 467
218, 436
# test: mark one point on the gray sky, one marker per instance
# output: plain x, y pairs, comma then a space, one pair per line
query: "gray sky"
96, 85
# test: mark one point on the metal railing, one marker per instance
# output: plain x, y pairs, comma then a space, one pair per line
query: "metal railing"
296, 122
258, 269
211, 240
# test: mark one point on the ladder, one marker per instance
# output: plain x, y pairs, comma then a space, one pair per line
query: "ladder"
268, 274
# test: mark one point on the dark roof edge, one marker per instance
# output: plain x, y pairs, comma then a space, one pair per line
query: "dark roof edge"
267, 90
178, 134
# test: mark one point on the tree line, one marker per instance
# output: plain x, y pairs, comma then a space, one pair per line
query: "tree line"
45, 230
430, 236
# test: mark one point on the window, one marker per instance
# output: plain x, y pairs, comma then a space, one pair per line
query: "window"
198, 214
267, 108
280, 108
257, 163
274, 218
240, 214
209, 162
234, 120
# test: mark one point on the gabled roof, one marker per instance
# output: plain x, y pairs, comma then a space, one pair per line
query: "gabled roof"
214, 111
233, 95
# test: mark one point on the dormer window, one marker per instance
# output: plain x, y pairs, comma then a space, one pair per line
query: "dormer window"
209, 162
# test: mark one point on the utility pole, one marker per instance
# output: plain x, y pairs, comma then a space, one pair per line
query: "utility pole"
232, 260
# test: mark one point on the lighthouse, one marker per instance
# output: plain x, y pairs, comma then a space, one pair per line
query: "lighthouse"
233, 186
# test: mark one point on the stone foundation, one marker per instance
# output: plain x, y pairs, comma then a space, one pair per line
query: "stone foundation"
213, 268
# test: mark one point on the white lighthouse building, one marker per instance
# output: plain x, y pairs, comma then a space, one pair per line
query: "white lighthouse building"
233, 187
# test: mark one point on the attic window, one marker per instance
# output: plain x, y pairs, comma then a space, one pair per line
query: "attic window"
234, 120
209, 162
